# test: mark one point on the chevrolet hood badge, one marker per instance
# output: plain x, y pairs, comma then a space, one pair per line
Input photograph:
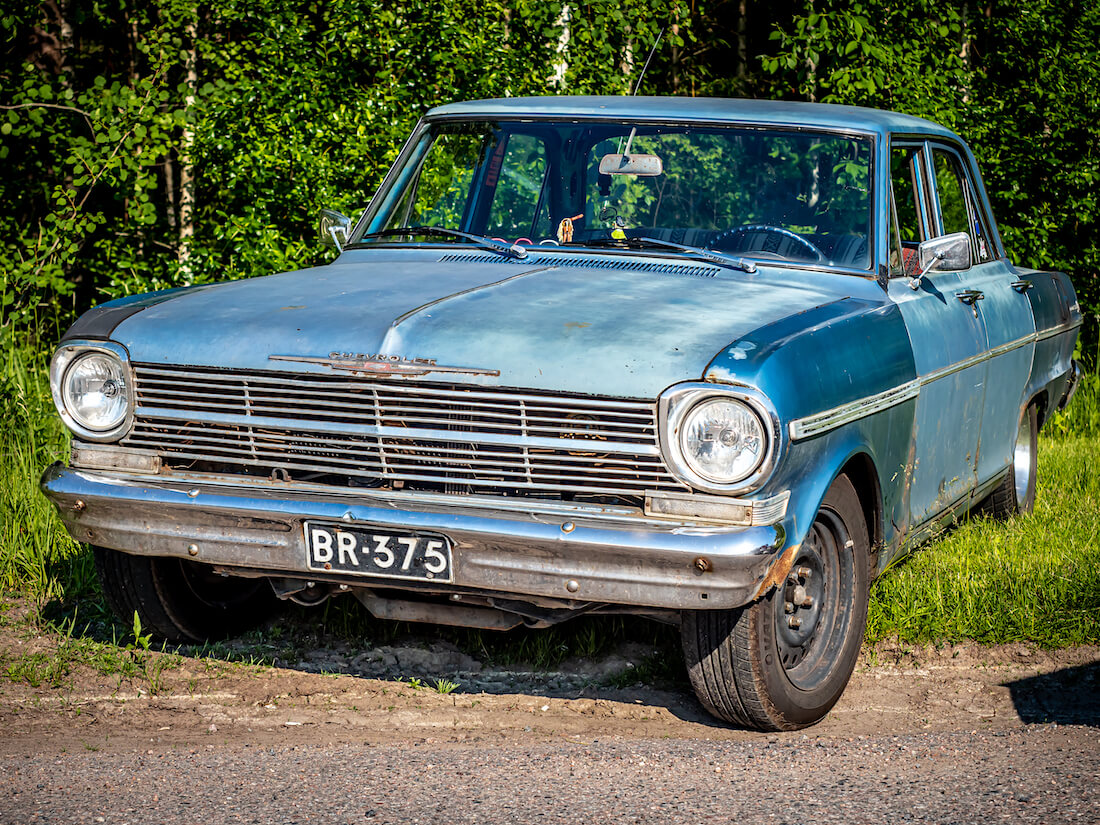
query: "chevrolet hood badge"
379, 364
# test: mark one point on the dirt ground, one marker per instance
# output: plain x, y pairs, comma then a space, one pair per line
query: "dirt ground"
895, 690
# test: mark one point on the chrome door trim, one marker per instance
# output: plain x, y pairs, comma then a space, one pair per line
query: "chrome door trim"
822, 422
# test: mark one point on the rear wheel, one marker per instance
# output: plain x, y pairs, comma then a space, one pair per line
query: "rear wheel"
782, 662
1016, 494
179, 600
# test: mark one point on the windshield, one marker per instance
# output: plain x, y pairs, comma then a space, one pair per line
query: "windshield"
756, 192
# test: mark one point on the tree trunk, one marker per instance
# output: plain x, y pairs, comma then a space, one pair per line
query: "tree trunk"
742, 40
561, 51
187, 170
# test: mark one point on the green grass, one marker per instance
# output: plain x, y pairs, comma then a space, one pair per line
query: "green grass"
1031, 579
37, 556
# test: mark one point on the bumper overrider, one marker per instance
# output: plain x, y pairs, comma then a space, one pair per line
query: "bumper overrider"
509, 547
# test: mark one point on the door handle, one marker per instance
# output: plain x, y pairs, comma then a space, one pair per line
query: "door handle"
970, 296
1022, 285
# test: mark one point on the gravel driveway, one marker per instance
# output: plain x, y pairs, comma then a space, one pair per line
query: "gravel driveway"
958, 734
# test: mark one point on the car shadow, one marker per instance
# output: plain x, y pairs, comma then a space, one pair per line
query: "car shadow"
1067, 697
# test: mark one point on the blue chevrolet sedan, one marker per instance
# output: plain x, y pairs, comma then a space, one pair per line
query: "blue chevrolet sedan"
714, 362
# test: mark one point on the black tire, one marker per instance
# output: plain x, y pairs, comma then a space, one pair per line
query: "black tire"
1016, 494
751, 667
178, 600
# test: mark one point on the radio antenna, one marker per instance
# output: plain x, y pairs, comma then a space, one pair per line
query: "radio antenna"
638, 82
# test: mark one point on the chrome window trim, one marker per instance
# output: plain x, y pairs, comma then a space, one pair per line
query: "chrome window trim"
822, 422
677, 401
59, 365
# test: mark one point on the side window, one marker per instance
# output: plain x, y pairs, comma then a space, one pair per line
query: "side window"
951, 193
519, 206
956, 202
909, 219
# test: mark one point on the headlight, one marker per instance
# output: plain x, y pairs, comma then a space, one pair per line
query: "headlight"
723, 440
91, 387
95, 391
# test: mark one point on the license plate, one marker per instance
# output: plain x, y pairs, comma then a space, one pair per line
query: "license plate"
365, 552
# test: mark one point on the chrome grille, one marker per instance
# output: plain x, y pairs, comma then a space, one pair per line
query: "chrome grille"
416, 433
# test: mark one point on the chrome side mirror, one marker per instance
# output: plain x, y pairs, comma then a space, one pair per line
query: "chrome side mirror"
335, 228
949, 253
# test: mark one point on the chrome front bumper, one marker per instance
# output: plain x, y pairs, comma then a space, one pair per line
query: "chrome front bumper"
578, 553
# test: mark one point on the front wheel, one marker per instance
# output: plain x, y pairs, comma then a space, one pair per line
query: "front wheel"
180, 600
782, 662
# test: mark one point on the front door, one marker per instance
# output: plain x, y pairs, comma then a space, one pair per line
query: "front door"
948, 348
1008, 324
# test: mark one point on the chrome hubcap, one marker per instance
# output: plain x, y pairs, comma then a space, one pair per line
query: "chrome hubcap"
1021, 459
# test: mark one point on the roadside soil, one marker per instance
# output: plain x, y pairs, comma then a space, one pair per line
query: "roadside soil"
194, 702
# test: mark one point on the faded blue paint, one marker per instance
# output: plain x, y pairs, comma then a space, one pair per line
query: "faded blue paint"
697, 110
1055, 306
811, 340
1006, 317
943, 332
619, 333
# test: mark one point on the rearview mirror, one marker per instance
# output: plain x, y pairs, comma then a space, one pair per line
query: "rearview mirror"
335, 228
647, 166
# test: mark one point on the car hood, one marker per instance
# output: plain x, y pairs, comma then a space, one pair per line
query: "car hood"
624, 332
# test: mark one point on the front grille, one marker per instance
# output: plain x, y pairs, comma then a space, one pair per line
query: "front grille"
418, 435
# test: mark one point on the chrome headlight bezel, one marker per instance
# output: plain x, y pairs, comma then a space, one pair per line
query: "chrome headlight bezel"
674, 407
70, 352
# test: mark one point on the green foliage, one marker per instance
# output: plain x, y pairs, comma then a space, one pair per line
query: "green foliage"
1018, 81
170, 143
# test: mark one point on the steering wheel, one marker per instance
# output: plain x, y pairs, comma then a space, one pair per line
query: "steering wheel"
817, 254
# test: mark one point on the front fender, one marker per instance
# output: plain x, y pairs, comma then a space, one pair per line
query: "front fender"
833, 358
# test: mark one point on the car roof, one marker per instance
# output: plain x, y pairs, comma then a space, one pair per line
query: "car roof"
708, 109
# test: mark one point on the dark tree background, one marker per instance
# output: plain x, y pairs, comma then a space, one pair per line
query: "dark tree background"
167, 142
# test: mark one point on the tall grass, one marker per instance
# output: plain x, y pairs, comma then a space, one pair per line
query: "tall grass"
33, 543
1031, 579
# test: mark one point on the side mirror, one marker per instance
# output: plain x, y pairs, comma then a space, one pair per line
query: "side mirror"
335, 228
949, 253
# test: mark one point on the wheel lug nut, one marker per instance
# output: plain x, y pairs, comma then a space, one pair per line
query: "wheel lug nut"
808, 602
794, 622
788, 606
804, 572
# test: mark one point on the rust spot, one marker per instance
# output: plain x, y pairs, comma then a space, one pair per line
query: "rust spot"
779, 570
577, 324
298, 306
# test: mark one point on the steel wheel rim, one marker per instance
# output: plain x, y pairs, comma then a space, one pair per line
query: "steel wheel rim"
1021, 459
215, 591
810, 653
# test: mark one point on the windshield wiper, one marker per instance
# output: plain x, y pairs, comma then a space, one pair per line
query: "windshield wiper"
696, 252
512, 250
